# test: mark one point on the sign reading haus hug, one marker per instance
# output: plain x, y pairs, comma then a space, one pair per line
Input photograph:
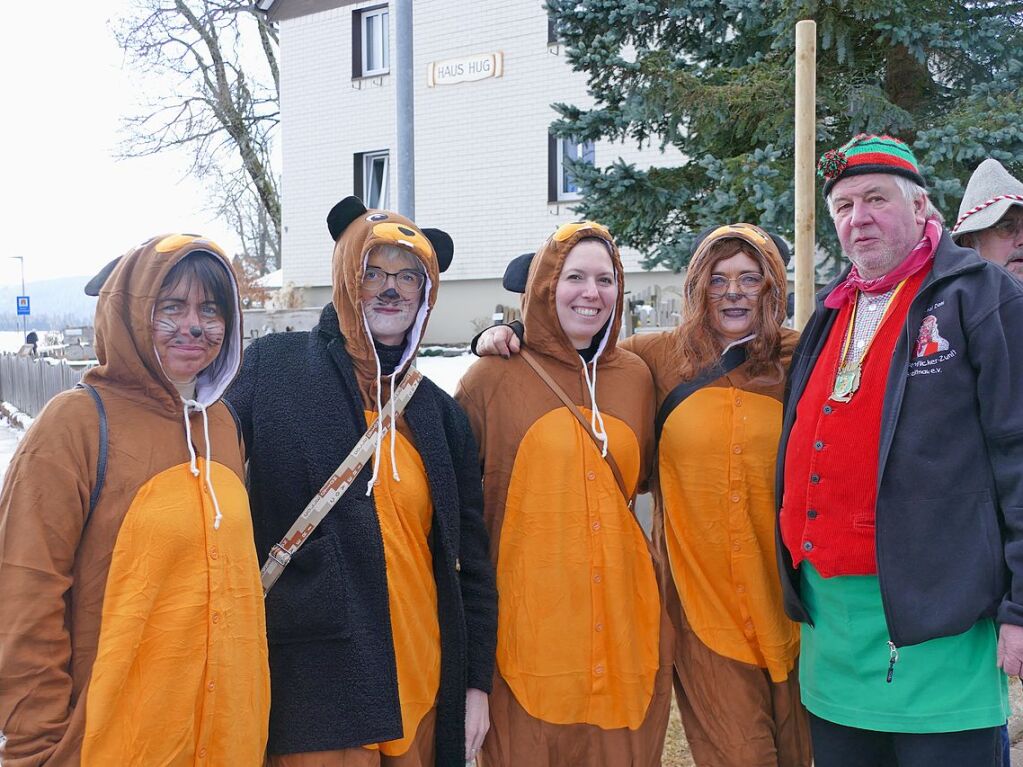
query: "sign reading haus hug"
479, 66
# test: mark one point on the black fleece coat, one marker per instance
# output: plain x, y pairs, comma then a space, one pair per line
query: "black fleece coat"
949, 512
332, 667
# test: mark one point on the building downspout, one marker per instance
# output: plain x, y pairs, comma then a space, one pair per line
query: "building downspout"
405, 109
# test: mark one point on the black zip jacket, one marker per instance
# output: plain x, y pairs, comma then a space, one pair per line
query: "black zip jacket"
332, 668
949, 508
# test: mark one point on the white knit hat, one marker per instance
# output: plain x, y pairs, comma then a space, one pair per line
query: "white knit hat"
990, 192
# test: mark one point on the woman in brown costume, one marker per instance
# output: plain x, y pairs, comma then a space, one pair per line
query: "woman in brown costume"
583, 658
132, 630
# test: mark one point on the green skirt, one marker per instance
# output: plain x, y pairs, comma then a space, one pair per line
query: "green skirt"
947, 684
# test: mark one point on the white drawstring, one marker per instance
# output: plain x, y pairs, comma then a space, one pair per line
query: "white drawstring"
595, 416
380, 432
191, 404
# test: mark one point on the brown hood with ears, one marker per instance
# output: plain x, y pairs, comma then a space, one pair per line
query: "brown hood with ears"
124, 326
543, 330
357, 230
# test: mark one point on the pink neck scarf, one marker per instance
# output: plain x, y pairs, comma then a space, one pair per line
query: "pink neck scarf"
845, 292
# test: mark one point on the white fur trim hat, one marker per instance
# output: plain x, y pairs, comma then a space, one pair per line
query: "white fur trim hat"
990, 192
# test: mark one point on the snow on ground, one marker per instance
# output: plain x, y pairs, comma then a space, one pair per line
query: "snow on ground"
9, 438
11, 340
445, 371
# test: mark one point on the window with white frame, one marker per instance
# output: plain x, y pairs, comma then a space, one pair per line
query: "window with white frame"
561, 186
371, 41
372, 174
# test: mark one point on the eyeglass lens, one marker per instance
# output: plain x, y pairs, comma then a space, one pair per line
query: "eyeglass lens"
406, 280
749, 284
1008, 226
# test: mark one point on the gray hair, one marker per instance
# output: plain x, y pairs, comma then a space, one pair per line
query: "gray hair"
911, 191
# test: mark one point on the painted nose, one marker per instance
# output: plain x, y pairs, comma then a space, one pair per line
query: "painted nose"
390, 294
195, 331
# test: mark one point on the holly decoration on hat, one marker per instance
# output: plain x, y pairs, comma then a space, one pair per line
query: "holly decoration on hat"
831, 164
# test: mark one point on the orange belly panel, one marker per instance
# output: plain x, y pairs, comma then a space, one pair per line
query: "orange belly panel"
579, 610
716, 462
406, 516
181, 675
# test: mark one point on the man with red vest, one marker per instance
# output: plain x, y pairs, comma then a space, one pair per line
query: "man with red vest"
900, 481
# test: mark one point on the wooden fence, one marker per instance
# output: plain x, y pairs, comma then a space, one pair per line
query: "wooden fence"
29, 383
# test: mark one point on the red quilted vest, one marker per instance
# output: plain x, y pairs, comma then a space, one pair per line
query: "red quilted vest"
827, 515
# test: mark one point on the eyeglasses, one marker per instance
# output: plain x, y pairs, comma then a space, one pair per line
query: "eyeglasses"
1008, 227
407, 281
749, 284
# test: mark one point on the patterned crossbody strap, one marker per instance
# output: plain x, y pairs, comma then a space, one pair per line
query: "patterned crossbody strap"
336, 486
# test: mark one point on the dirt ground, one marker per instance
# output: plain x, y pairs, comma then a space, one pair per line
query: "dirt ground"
676, 750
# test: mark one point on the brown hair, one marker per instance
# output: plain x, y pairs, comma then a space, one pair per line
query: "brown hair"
699, 346
211, 275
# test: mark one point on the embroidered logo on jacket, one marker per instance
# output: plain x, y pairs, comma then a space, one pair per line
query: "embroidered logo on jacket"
930, 341
932, 349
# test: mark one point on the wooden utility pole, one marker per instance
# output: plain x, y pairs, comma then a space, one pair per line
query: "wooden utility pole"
805, 159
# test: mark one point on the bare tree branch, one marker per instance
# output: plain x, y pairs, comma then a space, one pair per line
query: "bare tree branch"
218, 111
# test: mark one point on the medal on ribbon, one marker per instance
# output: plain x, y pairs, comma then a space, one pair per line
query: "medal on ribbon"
846, 383
847, 378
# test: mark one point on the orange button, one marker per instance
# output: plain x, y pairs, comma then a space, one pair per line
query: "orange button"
591, 475
736, 546
596, 526
202, 753
211, 686
598, 669
741, 589
599, 627
735, 498
216, 618
738, 401
736, 449
597, 578
213, 552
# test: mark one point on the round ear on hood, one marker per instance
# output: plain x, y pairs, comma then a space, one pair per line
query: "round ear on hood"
782, 246
516, 272
779, 243
698, 240
342, 214
443, 246
93, 286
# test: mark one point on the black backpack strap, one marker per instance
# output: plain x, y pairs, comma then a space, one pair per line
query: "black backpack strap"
237, 420
101, 464
729, 361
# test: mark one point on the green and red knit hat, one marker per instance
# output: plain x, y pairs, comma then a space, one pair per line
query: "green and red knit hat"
868, 153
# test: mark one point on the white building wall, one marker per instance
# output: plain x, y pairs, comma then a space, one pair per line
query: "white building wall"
481, 147
324, 121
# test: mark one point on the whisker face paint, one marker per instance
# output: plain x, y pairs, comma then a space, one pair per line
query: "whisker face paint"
188, 329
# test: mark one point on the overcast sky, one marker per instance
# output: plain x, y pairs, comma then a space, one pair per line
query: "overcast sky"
66, 204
